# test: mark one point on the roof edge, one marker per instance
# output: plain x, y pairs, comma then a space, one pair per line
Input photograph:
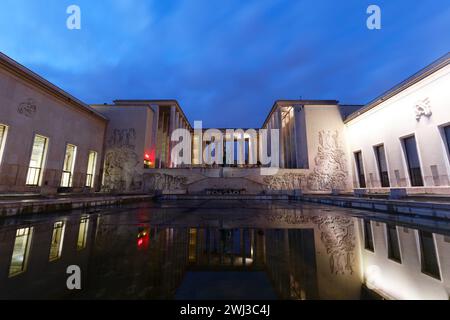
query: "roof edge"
435, 66
23, 72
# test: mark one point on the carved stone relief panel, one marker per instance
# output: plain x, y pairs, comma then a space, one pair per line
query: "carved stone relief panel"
338, 235
422, 108
27, 108
286, 181
122, 162
330, 171
163, 181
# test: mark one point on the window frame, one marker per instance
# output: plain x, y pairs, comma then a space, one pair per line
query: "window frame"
391, 255
376, 149
407, 160
360, 170
26, 253
370, 248
437, 276
72, 170
52, 258
90, 177
43, 160
3, 141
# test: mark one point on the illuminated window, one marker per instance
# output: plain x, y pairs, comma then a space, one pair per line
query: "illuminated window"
412, 159
368, 237
3, 132
393, 244
147, 161
90, 176
360, 169
57, 241
428, 254
69, 165
36, 165
382, 165
82, 233
21, 251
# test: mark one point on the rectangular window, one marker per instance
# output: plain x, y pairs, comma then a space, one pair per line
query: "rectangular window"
368, 238
393, 243
3, 132
430, 265
360, 169
69, 165
412, 158
382, 166
90, 176
36, 165
82, 233
21, 251
447, 136
57, 241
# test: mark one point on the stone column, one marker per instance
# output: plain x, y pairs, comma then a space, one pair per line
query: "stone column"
154, 139
172, 126
292, 146
301, 150
279, 125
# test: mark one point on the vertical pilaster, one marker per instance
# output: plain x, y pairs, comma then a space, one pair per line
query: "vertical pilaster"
172, 126
279, 125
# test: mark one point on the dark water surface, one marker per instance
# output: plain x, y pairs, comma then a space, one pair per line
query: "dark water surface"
225, 250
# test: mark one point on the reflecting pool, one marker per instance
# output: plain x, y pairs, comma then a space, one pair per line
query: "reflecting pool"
225, 250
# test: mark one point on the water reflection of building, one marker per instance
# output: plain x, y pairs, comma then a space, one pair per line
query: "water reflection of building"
34, 257
239, 247
402, 262
304, 256
291, 262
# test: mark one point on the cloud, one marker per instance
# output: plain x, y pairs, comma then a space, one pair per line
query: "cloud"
225, 61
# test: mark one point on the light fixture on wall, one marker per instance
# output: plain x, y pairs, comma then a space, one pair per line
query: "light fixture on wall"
147, 161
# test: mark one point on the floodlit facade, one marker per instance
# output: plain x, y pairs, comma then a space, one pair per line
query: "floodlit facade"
402, 137
46, 135
397, 144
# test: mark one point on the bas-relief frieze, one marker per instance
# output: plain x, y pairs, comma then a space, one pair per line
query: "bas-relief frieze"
122, 138
330, 171
286, 181
163, 181
121, 162
27, 108
422, 108
337, 233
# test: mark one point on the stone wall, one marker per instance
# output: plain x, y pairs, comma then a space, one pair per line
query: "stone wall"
128, 135
198, 180
28, 108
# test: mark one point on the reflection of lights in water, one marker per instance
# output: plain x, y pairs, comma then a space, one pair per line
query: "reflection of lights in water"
142, 237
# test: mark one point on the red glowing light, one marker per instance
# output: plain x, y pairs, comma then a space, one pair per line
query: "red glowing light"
147, 156
140, 242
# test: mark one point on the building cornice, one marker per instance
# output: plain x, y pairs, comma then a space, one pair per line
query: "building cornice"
159, 102
285, 103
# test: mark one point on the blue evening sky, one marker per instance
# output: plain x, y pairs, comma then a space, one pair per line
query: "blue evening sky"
225, 61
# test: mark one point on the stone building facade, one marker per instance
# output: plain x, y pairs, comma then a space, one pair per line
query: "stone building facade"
398, 143
48, 138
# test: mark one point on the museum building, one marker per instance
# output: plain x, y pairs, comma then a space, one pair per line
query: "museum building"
397, 143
